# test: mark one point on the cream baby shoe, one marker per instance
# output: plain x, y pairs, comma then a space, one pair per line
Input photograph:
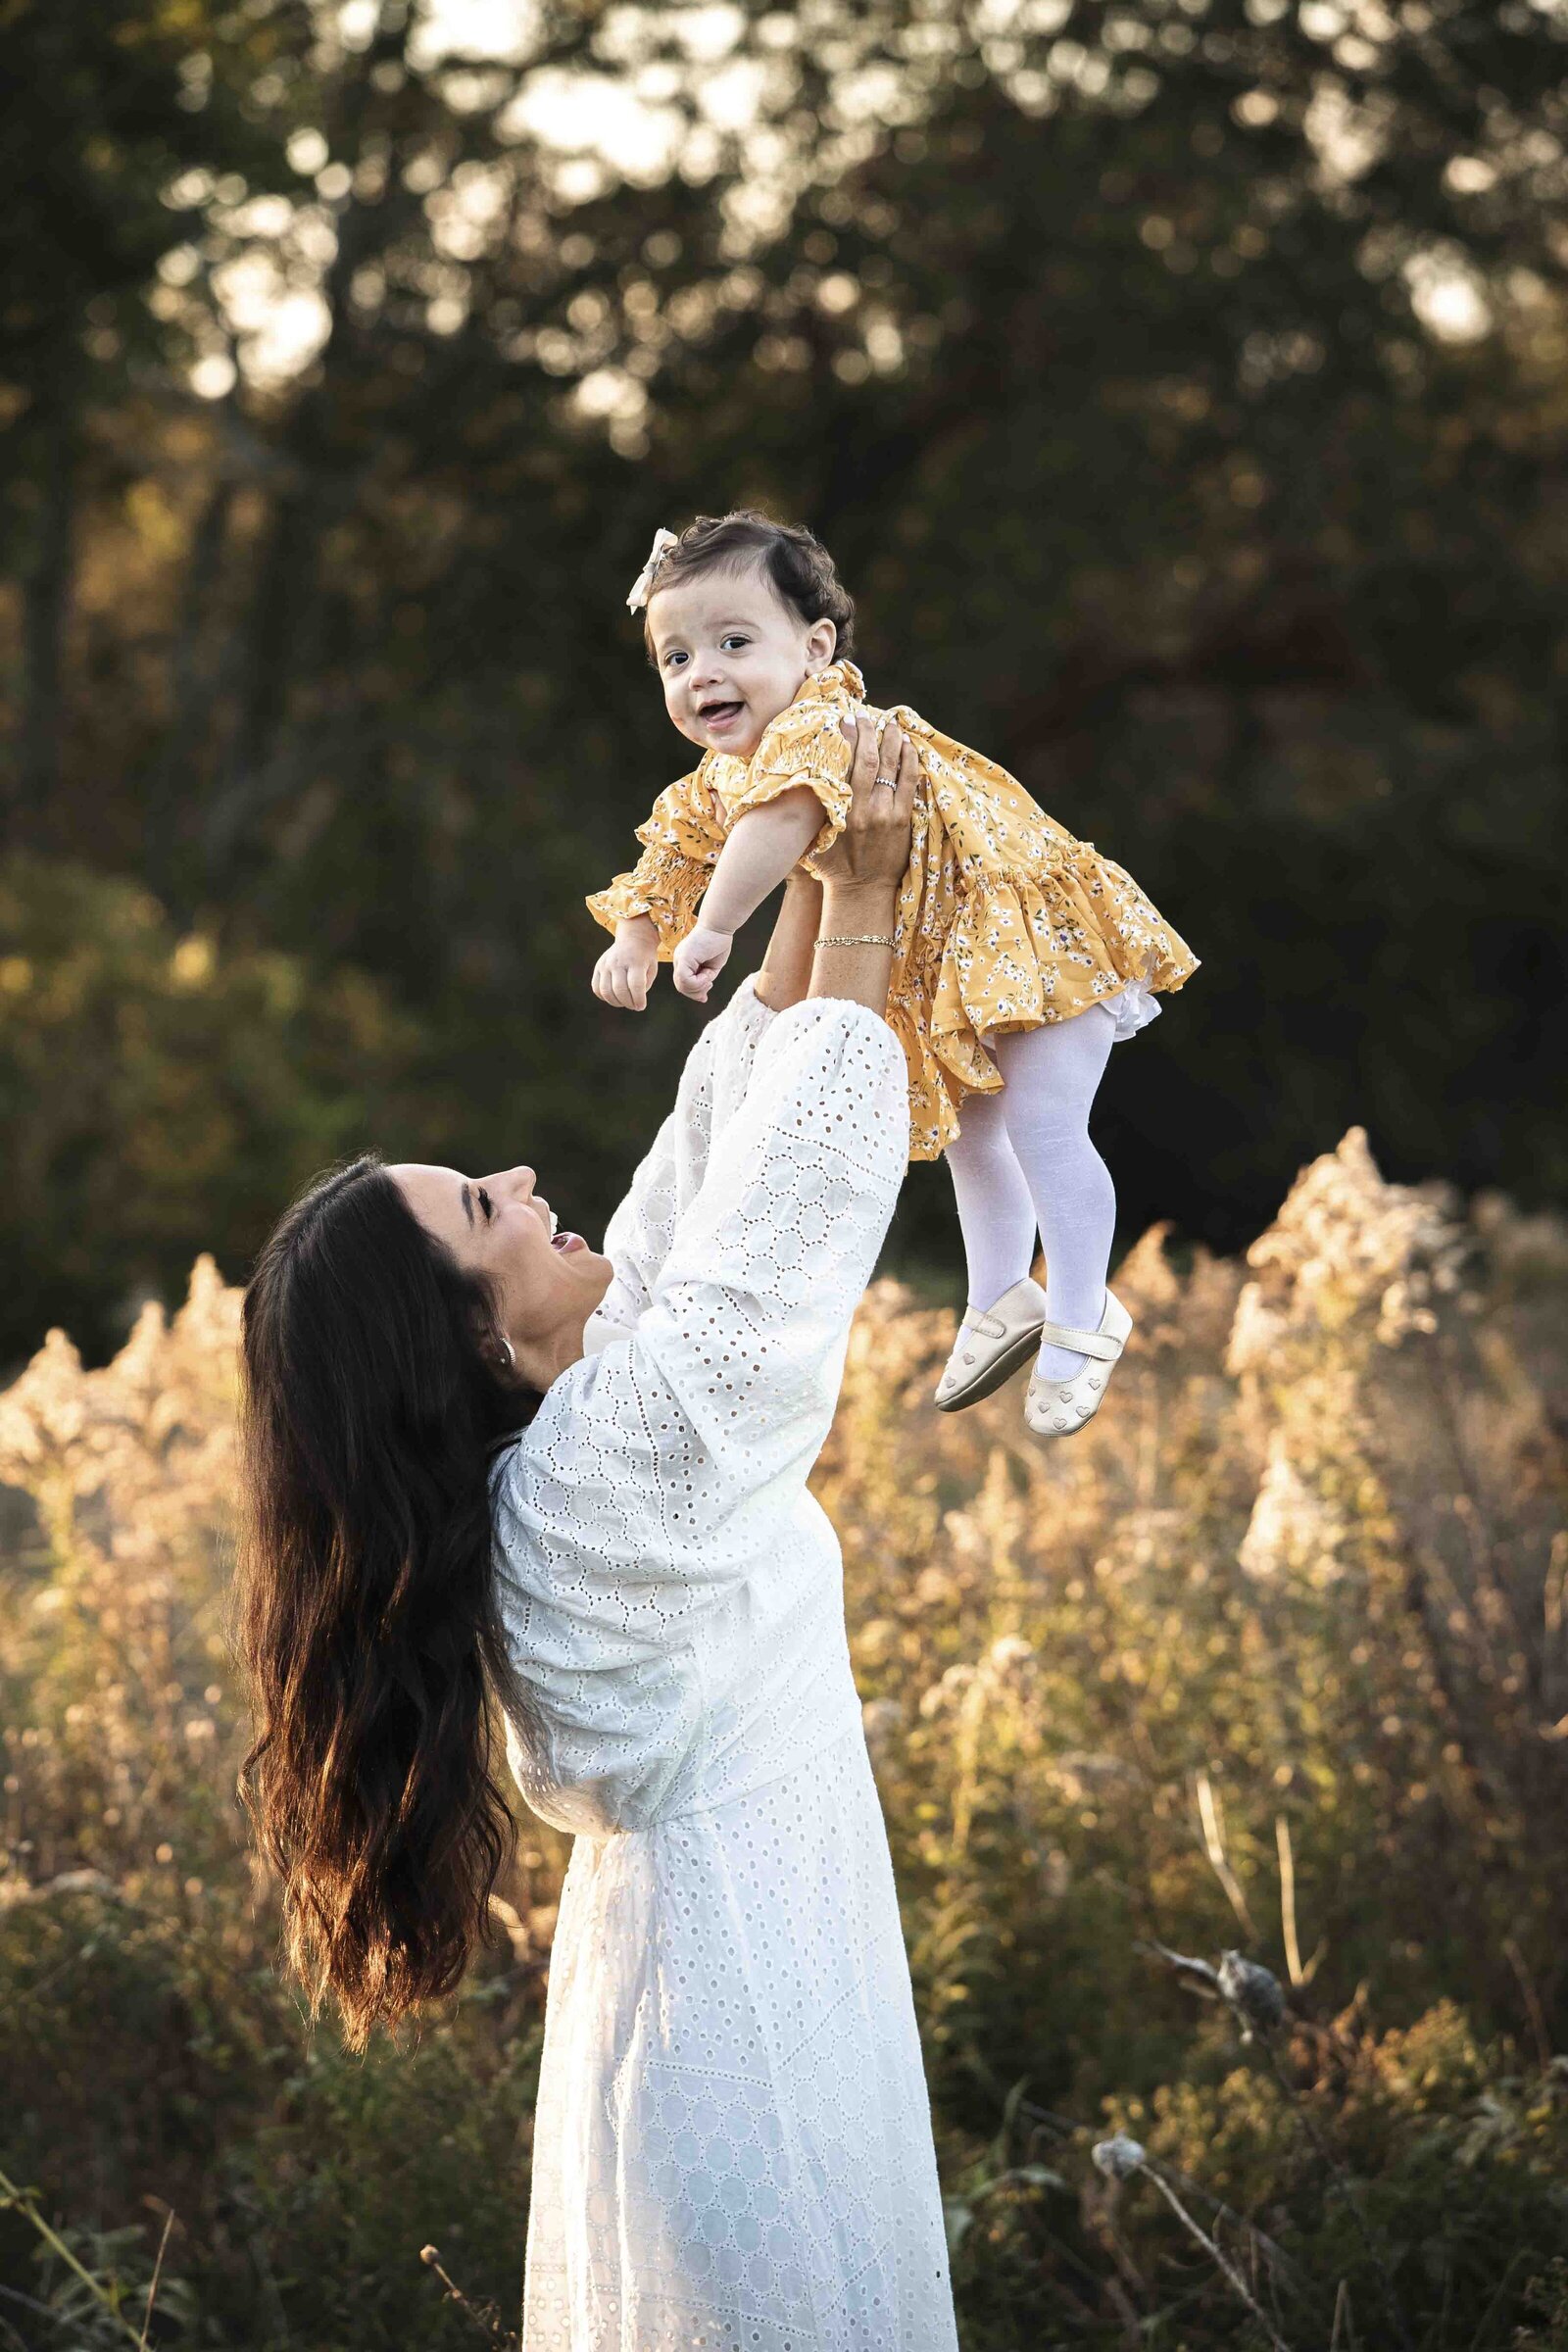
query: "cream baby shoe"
1055, 1408
991, 1346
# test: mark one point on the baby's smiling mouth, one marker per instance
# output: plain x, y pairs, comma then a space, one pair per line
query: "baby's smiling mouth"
718, 714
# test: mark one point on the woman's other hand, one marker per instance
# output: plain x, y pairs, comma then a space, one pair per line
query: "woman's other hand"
624, 972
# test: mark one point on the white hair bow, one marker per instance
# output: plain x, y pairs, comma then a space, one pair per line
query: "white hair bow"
643, 586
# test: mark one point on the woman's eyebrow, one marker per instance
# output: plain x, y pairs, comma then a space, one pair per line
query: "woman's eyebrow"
468, 1203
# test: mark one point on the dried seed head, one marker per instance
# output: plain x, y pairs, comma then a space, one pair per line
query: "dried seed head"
1346, 1248
1295, 1529
1118, 2157
1252, 1989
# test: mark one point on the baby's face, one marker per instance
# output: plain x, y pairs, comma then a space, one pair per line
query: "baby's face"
731, 655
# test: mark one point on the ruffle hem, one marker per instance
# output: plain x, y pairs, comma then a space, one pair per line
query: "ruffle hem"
1023, 950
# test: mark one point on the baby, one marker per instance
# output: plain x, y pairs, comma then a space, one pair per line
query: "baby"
1022, 955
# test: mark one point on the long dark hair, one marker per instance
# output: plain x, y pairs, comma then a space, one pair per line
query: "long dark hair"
367, 1615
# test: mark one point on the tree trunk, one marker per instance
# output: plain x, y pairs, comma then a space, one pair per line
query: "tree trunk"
46, 609
190, 702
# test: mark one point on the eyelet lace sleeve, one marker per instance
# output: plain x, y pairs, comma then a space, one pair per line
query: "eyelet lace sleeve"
748, 1322
713, 1085
658, 1478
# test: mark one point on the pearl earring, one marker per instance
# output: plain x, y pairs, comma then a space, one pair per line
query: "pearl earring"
509, 1352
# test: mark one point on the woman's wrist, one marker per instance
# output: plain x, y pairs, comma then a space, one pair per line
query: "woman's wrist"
858, 907
853, 953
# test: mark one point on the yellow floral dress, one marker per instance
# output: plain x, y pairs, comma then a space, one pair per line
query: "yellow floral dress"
1005, 919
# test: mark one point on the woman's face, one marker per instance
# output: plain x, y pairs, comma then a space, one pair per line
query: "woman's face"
544, 1281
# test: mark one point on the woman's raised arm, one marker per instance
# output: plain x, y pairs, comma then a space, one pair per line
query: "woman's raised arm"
650, 1485
712, 1083
872, 833
806, 956
746, 1332
862, 870
786, 972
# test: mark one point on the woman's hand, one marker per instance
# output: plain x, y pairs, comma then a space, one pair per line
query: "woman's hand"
873, 848
862, 870
624, 972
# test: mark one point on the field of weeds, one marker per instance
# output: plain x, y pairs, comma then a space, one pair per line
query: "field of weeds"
1225, 1758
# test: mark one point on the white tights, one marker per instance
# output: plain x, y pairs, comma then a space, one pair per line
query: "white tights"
1024, 1161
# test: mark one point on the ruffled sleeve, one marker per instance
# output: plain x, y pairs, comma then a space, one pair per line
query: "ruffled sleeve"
682, 837
648, 1493
803, 744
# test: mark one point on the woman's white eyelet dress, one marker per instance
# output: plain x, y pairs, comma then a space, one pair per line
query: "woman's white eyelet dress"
733, 2143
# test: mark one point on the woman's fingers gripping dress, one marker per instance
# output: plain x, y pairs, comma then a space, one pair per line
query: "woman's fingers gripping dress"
874, 845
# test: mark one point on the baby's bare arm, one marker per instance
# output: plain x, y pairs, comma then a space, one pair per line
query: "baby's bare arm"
763, 845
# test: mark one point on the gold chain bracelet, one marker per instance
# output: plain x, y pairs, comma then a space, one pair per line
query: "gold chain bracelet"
863, 939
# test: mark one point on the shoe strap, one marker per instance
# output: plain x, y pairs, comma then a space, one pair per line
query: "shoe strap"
1082, 1343
989, 1327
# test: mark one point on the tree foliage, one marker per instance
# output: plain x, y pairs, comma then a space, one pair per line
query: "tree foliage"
1179, 386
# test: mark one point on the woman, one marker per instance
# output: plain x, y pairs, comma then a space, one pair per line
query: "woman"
482, 1454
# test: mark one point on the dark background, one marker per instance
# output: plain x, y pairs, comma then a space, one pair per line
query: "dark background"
1180, 388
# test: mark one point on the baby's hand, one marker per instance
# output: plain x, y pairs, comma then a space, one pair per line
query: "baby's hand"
626, 970
699, 959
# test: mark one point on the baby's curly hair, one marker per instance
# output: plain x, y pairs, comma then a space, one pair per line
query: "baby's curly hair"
795, 559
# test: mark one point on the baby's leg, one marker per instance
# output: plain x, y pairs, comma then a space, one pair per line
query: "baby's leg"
996, 1210
1051, 1074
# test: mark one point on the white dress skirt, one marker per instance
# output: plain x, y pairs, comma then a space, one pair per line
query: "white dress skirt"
732, 2145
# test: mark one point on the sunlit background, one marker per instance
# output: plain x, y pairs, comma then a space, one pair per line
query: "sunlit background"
1180, 385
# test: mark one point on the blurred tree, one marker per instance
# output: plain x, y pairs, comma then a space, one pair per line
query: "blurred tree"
150, 1082
118, 119
1179, 387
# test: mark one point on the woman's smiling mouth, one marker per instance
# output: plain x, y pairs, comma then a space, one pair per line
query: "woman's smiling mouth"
559, 1239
